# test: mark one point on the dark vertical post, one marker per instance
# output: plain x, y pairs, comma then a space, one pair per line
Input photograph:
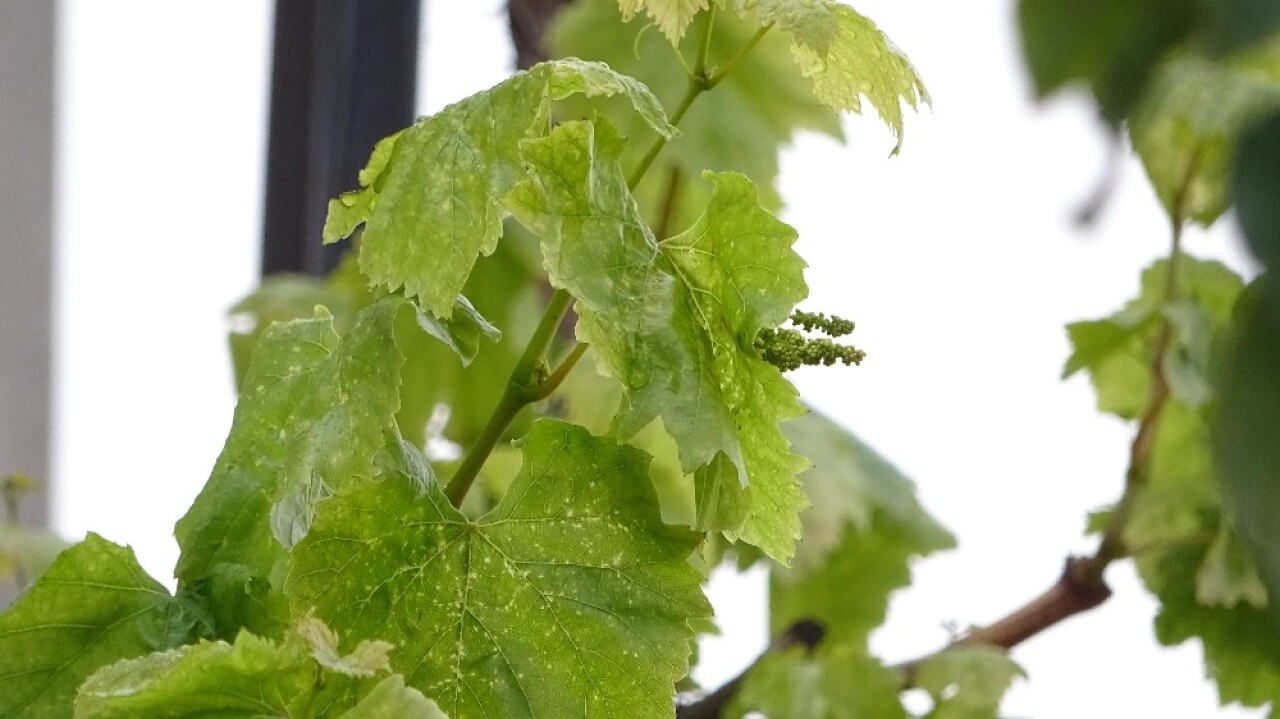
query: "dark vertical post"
343, 77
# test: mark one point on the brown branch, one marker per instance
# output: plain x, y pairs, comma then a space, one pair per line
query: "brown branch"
1077, 590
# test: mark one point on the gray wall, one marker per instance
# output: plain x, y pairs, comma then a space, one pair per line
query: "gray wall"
26, 187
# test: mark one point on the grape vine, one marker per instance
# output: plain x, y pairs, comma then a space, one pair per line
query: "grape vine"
484, 469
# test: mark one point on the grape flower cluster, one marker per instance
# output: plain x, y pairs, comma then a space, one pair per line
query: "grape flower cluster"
788, 348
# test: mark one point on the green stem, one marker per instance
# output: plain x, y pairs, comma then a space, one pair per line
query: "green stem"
523, 387
557, 376
699, 82
697, 86
720, 74
704, 45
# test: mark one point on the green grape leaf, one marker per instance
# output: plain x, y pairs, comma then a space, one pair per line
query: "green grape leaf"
288, 296
367, 659
1178, 500
442, 399
1184, 548
351, 209
1179, 495
591, 399
315, 414
847, 484
671, 16
430, 196
849, 592
516, 614
461, 331
834, 682
1185, 129
812, 23
741, 126
861, 533
861, 62
1256, 176
675, 321
1240, 651
1246, 431
93, 606
254, 677
391, 698
1113, 47
1117, 351
967, 682
343, 293
1114, 351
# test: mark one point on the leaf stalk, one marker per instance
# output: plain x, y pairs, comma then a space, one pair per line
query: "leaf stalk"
558, 375
523, 388
720, 74
700, 80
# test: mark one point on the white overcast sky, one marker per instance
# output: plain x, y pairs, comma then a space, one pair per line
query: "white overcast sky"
957, 259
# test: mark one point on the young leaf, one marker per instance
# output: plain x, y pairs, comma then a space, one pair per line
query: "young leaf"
93, 606
591, 400
866, 527
741, 126
849, 592
461, 331
1185, 129
288, 296
848, 485
252, 678
675, 321
813, 23
967, 682
671, 16
861, 62
367, 659
1178, 500
314, 414
834, 682
430, 195
447, 371
1117, 350
570, 598
392, 698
